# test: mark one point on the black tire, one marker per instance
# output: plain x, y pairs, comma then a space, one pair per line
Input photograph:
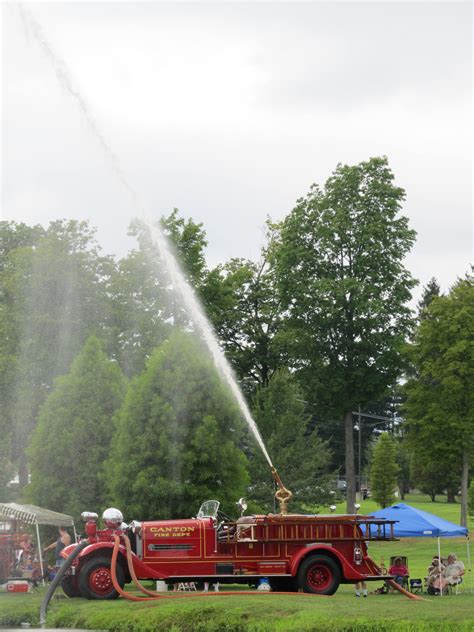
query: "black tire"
95, 579
319, 575
283, 584
70, 587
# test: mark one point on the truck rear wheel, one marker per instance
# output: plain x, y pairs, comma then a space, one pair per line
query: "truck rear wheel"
320, 575
95, 579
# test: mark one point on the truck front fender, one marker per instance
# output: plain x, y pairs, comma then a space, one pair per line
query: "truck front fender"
97, 548
348, 572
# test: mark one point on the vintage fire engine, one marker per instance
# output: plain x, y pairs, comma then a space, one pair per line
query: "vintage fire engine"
314, 553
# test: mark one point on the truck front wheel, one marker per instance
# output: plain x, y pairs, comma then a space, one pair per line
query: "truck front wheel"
70, 587
319, 574
95, 579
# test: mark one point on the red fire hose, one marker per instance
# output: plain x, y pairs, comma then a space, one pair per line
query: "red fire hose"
394, 584
157, 596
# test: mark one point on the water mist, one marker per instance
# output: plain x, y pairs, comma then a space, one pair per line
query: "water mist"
159, 239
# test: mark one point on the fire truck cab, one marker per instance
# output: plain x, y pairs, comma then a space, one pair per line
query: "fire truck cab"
314, 553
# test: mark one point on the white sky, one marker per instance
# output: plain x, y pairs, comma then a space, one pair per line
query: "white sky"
230, 111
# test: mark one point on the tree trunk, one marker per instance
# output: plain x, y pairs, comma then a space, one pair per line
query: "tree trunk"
451, 495
464, 481
23, 472
350, 471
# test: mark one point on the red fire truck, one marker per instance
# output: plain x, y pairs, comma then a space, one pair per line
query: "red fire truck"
314, 553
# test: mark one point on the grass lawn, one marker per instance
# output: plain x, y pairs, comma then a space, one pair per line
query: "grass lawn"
275, 613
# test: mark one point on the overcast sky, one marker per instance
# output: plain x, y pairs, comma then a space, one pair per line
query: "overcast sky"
231, 111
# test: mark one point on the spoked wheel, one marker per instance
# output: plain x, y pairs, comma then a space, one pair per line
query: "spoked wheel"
320, 575
95, 579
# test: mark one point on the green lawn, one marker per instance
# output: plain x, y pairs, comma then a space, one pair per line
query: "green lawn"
253, 613
275, 613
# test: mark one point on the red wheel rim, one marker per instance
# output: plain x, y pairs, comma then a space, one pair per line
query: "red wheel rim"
319, 577
100, 580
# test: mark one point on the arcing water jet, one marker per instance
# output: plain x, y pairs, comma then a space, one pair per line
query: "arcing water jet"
178, 280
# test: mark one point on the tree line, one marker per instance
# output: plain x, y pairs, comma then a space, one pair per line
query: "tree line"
108, 396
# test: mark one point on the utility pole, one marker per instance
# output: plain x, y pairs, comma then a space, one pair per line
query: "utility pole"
359, 469
359, 423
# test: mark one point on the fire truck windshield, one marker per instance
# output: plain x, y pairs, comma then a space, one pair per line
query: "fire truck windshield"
209, 509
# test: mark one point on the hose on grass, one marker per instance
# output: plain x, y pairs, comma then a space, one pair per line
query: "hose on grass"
154, 596
57, 579
394, 584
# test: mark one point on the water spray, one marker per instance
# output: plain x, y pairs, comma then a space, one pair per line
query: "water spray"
159, 239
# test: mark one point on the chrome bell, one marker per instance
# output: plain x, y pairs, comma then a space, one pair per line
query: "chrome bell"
112, 518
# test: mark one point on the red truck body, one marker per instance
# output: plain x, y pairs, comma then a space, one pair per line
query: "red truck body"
313, 553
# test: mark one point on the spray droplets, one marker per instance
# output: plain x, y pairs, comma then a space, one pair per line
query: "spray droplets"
193, 307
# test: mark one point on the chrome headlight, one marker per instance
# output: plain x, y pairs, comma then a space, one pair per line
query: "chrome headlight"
112, 518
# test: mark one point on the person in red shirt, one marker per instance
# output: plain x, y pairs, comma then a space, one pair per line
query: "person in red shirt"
399, 570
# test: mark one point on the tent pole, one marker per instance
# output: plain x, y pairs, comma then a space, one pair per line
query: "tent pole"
439, 566
469, 561
75, 533
40, 552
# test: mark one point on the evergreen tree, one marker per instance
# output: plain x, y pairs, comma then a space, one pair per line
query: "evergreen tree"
384, 471
178, 437
440, 397
75, 428
299, 455
430, 291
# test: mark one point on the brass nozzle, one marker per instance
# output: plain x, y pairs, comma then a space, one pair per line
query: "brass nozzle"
283, 495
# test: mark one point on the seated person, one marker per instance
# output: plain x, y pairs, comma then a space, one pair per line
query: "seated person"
452, 574
435, 570
399, 570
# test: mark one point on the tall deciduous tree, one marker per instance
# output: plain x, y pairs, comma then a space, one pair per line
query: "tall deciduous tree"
384, 470
339, 263
245, 309
75, 428
55, 291
178, 437
189, 240
440, 402
13, 237
300, 456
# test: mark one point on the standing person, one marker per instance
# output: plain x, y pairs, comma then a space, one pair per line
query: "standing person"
358, 586
64, 539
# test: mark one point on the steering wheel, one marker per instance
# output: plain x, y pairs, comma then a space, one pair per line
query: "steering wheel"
223, 517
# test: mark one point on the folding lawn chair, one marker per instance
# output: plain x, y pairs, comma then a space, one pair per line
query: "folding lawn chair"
405, 563
416, 586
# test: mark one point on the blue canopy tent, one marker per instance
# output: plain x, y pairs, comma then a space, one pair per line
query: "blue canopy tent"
415, 523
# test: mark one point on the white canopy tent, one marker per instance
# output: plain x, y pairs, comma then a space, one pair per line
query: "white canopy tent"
30, 514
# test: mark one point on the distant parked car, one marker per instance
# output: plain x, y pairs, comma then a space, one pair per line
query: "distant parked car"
341, 485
